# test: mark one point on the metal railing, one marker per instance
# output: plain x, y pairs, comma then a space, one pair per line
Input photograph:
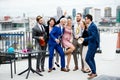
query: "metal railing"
18, 40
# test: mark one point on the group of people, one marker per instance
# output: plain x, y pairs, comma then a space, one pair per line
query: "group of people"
62, 37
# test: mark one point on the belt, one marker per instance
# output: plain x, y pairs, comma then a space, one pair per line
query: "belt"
75, 38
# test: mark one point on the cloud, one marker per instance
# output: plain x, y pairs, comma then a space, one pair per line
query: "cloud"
48, 7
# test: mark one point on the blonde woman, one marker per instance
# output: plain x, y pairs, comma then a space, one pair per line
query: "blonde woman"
85, 68
66, 41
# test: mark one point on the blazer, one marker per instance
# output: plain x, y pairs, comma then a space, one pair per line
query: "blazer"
36, 33
54, 34
93, 36
84, 35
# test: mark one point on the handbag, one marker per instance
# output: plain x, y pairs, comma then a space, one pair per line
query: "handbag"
42, 42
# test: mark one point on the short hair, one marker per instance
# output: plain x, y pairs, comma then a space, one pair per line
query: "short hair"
89, 17
69, 17
38, 18
63, 19
79, 14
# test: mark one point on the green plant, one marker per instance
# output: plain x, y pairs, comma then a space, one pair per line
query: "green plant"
29, 45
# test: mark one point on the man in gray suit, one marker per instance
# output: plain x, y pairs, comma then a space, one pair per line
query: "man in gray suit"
38, 33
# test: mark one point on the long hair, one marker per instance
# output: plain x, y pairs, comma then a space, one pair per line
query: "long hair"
84, 24
50, 20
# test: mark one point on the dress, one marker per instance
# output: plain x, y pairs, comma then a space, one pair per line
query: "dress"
66, 38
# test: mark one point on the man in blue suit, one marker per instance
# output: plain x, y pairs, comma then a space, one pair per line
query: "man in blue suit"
54, 43
93, 44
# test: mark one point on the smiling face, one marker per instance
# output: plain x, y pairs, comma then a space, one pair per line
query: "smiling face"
63, 22
69, 21
51, 23
40, 21
78, 17
82, 25
87, 21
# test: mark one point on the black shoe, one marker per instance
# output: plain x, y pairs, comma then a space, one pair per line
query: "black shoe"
57, 64
42, 70
53, 68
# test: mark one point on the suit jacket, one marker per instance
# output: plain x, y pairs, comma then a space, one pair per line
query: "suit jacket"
93, 36
56, 33
36, 33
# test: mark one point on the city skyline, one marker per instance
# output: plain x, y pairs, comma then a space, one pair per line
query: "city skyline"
49, 7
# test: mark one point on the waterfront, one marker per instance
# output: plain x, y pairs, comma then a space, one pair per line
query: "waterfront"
107, 64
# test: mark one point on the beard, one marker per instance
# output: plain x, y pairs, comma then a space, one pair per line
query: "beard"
78, 20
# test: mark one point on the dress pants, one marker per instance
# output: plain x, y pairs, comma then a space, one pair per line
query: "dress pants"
56, 56
90, 58
41, 57
59, 49
77, 45
56, 59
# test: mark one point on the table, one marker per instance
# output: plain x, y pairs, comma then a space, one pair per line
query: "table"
29, 63
8, 58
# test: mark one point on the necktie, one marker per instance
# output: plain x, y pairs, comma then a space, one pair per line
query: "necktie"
77, 30
42, 28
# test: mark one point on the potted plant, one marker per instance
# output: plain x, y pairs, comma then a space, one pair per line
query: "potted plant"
29, 46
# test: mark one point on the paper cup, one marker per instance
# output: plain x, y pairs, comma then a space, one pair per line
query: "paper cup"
80, 41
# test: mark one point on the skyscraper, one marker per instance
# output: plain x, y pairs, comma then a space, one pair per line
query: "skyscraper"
118, 14
107, 12
96, 13
73, 13
59, 12
86, 11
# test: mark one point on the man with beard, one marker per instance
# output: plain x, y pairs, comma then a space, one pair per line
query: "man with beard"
77, 34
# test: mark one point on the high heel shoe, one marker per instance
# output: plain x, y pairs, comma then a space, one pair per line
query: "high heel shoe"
67, 69
75, 68
85, 70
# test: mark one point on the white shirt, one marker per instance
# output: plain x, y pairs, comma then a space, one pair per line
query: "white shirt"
41, 26
50, 29
60, 27
75, 29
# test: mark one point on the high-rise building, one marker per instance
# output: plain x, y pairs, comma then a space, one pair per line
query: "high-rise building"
59, 12
96, 13
118, 14
86, 11
107, 12
73, 13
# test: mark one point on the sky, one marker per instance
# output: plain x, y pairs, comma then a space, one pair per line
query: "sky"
49, 7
